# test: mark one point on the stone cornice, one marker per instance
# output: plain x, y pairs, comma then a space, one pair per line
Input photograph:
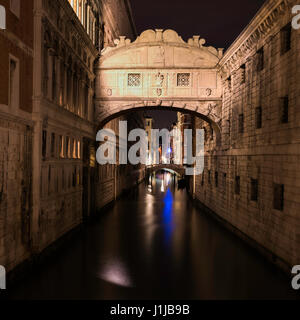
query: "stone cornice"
259, 27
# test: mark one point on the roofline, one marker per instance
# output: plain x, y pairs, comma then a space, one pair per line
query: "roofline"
259, 17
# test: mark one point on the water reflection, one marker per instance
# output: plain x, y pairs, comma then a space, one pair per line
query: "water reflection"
155, 244
168, 216
115, 272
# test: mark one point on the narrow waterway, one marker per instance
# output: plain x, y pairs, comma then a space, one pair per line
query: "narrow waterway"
154, 244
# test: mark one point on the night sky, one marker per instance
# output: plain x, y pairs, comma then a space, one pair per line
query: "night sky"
217, 21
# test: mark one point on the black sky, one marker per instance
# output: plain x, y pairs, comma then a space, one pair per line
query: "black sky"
219, 22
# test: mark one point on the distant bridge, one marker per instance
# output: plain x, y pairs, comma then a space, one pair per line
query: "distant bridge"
173, 168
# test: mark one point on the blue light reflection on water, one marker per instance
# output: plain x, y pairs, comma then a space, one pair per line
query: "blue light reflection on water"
168, 215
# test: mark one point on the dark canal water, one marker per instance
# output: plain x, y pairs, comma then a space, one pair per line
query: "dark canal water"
154, 244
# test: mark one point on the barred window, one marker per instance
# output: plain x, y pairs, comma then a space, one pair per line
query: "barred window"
285, 38
243, 73
258, 117
216, 179
134, 79
284, 109
183, 79
254, 189
241, 123
237, 185
278, 196
260, 59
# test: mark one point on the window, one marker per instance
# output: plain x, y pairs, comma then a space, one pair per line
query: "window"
14, 83
224, 180
258, 117
284, 109
260, 59
44, 144
61, 147
229, 83
2, 17
209, 177
241, 123
254, 190
237, 187
74, 154
285, 39
183, 79
216, 179
243, 73
53, 145
68, 147
78, 149
134, 79
278, 194
15, 7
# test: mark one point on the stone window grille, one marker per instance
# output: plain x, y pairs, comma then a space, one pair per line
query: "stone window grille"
284, 109
285, 39
254, 190
183, 79
134, 80
278, 194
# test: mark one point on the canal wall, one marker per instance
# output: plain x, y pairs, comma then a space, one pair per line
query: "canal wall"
252, 180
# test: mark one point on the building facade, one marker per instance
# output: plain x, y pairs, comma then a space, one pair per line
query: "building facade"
252, 180
16, 131
47, 118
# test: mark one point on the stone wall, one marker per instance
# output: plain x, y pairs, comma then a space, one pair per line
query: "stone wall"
252, 180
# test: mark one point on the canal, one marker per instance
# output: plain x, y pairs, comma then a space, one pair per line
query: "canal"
154, 244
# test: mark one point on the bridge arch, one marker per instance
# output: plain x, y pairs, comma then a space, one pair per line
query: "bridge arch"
159, 71
179, 170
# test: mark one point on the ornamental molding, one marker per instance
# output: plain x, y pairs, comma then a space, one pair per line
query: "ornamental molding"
262, 24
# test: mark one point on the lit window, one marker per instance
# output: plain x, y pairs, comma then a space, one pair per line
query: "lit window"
2, 17
78, 150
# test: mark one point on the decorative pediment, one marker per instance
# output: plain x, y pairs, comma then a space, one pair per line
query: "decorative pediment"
160, 48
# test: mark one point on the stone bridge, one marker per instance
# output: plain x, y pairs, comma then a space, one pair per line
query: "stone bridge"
159, 71
174, 168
